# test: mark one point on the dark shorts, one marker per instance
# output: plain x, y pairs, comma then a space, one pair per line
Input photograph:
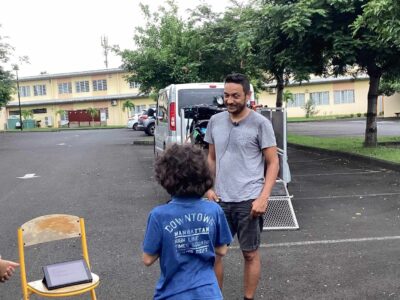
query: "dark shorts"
247, 228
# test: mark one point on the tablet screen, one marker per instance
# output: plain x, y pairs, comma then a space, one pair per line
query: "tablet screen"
67, 273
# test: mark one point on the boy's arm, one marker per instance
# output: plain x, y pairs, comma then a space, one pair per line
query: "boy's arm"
221, 250
149, 259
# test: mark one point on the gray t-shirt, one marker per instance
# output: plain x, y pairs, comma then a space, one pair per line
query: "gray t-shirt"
239, 159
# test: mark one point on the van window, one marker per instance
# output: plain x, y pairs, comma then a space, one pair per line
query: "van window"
162, 108
188, 97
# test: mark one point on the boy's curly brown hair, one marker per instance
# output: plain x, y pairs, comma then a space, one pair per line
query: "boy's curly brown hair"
183, 171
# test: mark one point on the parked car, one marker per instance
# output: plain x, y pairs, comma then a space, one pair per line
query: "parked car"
149, 125
134, 121
147, 121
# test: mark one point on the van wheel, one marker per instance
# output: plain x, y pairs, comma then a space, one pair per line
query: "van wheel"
134, 127
150, 129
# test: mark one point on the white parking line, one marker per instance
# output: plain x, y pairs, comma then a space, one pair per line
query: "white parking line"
348, 196
325, 242
334, 174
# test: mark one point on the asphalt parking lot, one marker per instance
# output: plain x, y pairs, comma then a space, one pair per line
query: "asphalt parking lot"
348, 212
348, 242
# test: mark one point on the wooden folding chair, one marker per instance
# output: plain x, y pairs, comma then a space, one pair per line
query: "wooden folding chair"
47, 229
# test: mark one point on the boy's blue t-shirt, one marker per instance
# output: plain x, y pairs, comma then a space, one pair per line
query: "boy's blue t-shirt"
184, 233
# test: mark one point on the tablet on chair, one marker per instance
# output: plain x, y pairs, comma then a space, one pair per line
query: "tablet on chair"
66, 274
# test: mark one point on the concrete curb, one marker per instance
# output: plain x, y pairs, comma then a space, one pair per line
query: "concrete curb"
143, 142
350, 156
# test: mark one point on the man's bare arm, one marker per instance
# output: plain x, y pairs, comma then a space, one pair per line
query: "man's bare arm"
211, 160
272, 162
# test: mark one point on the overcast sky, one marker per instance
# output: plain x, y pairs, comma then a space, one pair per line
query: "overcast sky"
65, 36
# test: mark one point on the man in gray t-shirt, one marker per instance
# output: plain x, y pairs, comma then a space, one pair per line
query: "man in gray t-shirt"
241, 144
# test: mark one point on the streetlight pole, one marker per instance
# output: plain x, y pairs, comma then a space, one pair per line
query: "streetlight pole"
19, 97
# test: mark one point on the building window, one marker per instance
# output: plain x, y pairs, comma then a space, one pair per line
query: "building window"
39, 90
139, 109
134, 85
24, 91
297, 101
345, 96
100, 85
82, 86
39, 110
13, 113
320, 98
65, 88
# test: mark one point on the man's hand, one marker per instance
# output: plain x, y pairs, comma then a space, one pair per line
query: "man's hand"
258, 207
211, 195
7, 269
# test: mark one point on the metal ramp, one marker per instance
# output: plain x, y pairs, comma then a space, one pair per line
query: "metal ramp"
280, 214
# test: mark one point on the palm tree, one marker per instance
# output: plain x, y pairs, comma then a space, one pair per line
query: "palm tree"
128, 105
27, 113
62, 114
287, 96
93, 112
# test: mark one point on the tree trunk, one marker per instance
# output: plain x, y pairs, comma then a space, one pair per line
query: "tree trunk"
371, 130
279, 89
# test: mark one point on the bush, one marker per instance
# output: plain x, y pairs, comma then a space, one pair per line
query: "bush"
310, 108
359, 114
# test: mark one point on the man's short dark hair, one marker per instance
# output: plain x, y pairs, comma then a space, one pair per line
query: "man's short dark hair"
239, 79
183, 171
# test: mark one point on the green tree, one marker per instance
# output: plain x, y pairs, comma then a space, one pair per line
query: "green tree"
280, 54
61, 112
93, 112
27, 113
163, 48
287, 96
340, 33
128, 106
7, 83
381, 17
205, 47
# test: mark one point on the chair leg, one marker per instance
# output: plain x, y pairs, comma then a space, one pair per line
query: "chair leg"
93, 293
25, 295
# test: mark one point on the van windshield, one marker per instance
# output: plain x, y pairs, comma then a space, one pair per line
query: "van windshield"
190, 97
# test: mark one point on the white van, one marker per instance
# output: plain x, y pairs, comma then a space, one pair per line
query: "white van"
170, 127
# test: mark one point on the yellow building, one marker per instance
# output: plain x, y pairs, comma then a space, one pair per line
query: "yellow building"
332, 96
49, 95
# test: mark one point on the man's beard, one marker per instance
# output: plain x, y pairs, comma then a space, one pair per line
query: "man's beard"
237, 108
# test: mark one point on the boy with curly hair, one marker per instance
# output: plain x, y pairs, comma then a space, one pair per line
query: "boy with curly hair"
186, 233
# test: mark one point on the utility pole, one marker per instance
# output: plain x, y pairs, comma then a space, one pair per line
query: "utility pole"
106, 49
15, 67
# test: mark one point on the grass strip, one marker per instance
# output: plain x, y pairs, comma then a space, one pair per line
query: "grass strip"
390, 151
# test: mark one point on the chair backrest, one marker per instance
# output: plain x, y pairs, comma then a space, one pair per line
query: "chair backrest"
50, 228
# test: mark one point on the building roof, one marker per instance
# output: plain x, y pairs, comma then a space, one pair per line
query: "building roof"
72, 74
75, 100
